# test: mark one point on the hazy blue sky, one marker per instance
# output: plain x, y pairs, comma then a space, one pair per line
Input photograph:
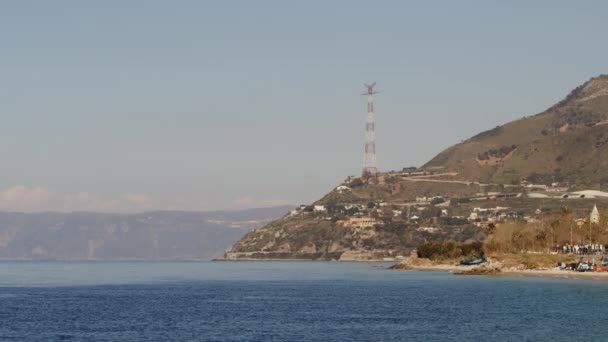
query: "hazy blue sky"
133, 105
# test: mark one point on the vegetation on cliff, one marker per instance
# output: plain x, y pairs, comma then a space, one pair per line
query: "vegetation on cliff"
319, 239
450, 250
567, 142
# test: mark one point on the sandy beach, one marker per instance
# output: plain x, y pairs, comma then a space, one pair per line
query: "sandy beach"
557, 273
510, 272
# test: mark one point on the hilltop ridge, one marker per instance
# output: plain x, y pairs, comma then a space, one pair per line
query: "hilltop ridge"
567, 143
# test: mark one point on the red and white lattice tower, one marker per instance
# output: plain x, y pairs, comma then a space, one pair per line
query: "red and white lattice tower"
370, 167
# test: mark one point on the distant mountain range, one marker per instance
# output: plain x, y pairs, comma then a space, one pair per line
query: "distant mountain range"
157, 235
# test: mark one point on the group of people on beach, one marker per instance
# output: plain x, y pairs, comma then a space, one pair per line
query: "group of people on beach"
583, 265
585, 249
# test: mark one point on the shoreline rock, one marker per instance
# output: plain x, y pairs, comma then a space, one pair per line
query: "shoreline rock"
481, 270
401, 266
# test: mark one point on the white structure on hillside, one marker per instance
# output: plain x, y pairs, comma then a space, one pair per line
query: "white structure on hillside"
359, 222
342, 188
595, 216
319, 208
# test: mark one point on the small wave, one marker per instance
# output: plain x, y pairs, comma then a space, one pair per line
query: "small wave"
8, 295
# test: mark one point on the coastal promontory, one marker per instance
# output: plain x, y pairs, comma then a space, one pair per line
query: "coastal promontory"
518, 172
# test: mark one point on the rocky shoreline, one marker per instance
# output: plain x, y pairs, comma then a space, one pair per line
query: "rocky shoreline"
494, 268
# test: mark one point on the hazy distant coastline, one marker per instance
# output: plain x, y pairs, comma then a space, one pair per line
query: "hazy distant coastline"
156, 235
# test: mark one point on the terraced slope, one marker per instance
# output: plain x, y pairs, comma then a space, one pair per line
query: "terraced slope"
566, 143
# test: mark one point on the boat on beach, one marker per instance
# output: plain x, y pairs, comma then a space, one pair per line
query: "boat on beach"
472, 262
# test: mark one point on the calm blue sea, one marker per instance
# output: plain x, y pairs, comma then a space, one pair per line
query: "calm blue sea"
289, 301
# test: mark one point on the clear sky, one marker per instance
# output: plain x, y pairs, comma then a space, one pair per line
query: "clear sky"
197, 105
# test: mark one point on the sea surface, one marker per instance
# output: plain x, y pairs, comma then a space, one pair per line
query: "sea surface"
289, 301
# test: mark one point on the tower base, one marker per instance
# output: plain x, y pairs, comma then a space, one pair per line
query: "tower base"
369, 172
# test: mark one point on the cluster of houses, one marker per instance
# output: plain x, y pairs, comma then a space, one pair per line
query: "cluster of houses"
417, 212
375, 213
554, 187
594, 218
484, 217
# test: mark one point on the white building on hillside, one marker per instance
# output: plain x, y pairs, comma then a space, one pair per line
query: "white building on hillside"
595, 215
359, 222
342, 188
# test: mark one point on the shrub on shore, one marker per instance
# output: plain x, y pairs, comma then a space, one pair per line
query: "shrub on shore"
450, 250
532, 261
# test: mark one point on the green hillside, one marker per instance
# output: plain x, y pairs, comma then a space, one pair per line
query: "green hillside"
567, 143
